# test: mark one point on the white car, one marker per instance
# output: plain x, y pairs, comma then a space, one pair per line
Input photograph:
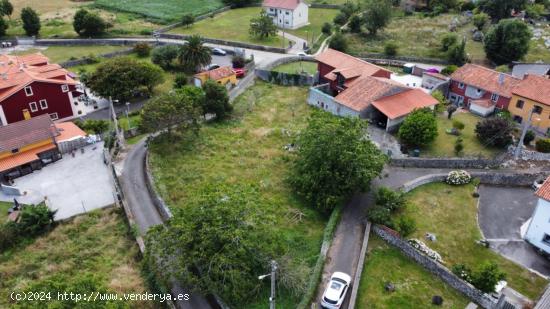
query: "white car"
336, 291
212, 66
302, 54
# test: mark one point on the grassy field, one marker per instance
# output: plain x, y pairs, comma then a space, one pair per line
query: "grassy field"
231, 25
57, 16
58, 54
297, 67
415, 286
421, 36
165, 11
4, 206
450, 212
317, 17
95, 245
443, 146
248, 149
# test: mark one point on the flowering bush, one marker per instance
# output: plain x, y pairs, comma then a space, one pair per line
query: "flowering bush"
458, 178
422, 247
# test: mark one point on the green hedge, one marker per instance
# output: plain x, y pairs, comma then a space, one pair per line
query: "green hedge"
319, 265
543, 145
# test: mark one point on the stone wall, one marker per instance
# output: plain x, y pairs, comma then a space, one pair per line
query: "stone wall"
118, 41
434, 267
285, 60
228, 43
446, 163
162, 208
72, 63
285, 79
377, 58
530, 154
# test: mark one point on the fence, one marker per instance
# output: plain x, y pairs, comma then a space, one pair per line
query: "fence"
70, 145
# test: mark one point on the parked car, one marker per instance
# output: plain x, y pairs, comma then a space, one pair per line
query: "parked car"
240, 72
336, 290
537, 184
302, 54
212, 66
218, 51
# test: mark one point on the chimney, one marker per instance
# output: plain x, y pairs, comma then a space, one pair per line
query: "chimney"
501, 78
4, 76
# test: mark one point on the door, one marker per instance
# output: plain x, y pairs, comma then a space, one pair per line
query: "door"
26, 114
460, 101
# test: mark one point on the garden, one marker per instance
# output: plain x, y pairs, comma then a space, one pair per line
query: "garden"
449, 214
60, 54
413, 286
297, 67
248, 151
95, 251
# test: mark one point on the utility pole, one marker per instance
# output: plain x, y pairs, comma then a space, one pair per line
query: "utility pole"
523, 133
273, 273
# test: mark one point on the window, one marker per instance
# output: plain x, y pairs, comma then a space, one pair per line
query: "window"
537, 110
519, 104
286, 22
478, 91
53, 116
65, 88
33, 106
494, 97
518, 119
15, 150
28, 91
43, 104
546, 239
271, 9
461, 85
286, 13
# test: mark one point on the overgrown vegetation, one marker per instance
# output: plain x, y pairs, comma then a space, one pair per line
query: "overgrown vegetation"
419, 128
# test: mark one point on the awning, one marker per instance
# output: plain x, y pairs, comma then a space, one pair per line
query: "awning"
23, 157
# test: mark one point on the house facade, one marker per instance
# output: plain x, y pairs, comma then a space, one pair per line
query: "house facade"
478, 88
538, 231
223, 75
30, 86
288, 14
532, 95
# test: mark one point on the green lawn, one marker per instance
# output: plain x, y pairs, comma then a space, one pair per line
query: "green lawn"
231, 25
333, 1
316, 17
297, 67
444, 144
415, 286
165, 10
4, 206
59, 54
450, 212
97, 244
249, 149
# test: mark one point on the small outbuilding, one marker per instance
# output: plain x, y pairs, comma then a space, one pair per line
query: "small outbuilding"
223, 75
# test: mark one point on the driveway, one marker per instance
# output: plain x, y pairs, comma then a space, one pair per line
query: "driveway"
71, 185
502, 211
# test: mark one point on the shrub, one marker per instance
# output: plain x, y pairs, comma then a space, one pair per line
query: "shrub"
487, 277
448, 40
543, 145
494, 132
340, 19
327, 28
390, 199
238, 61
354, 24
458, 178
380, 215
406, 226
529, 137
180, 80
448, 70
35, 220
338, 42
164, 56
92, 125
459, 146
456, 54
3, 26
500, 48
462, 271
142, 49
459, 125
87, 24
187, 20
390, 48
480, 20
419, 128
9, 235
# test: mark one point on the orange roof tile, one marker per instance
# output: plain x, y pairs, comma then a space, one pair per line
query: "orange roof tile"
486, 79
534, 87
23, 157
68, 131
544, 191
218, 73
363, 91
283, 4
403, 103
341, 61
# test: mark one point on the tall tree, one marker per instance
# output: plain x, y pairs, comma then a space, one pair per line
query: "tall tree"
338, 42
6, 8
355, 23
31, 21
419, 128
262, 26
120, 77
194, 54
165, 55
86, 23
499, 9
456, 54
334, 160
495, 132
508, 41
3, 26
377, 15
216, 100
187, 20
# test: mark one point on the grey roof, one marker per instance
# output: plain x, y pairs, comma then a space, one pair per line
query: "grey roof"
521, 69
26, 132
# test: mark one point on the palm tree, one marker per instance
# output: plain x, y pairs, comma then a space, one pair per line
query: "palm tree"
194, 54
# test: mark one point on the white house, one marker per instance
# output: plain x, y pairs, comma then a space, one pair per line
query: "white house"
538, 231
289, 14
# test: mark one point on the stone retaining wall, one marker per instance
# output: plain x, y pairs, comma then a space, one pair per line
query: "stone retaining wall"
446, 163
228, 43
434, 267
530, 154
163, 210
360, 264
117, 41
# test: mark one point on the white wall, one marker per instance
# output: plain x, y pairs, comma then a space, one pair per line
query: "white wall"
300, 16
3, 120
326, 102
292, 20
539, 226
473, 92
480, 110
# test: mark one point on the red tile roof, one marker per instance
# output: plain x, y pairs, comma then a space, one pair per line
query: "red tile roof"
363, 91
403, 103
347, 64
22, 133
486, 79
16, 72
283, 4
534, 87
23, 157
68, 131
218, 73
544, 191
483, 103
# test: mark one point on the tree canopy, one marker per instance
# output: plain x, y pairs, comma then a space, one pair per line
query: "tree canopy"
377, 15
507, 41
495, 132
419, 128
262, 27
164, 56
194, 54
121, 77
334, 160
216, 100
338, 42
499, 9
86, 23
6, 8
3, 26
31, 21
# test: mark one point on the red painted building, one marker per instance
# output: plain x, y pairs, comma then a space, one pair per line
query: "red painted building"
30, 86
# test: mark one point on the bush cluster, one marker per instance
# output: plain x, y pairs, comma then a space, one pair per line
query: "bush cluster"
485, 278
33, 221
543, 145
387, 204
458, 178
